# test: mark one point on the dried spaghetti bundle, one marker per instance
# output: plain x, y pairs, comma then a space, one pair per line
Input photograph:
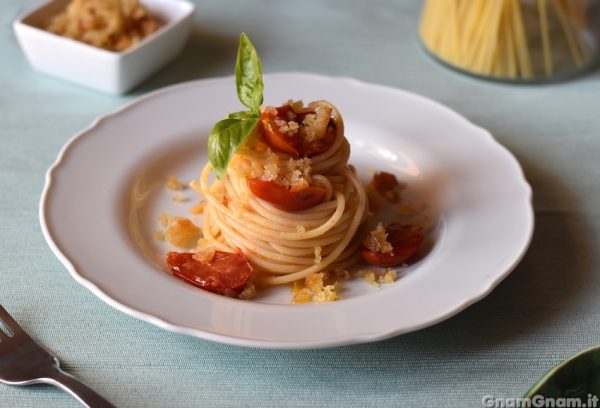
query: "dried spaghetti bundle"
507, 38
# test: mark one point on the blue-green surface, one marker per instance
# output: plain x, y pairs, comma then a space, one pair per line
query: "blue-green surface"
545, 311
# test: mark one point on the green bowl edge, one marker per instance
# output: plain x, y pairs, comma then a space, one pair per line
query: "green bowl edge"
533, 391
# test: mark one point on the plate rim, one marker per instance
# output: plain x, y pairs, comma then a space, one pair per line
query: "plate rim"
279, 344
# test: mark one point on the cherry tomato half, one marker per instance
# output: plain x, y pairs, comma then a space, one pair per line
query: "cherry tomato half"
293, 145
406, 240
226, 271
384, 182
277, 140
285, 198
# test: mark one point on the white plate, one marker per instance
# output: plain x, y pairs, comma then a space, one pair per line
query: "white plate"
106, 189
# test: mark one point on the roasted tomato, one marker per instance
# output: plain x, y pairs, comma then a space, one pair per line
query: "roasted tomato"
273, 137
384, 182
225, 273
294, 145
406, 240
287, 199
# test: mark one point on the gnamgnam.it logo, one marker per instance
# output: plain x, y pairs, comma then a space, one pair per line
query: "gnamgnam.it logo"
539, 401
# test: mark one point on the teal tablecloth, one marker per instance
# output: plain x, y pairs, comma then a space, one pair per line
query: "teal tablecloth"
546, 310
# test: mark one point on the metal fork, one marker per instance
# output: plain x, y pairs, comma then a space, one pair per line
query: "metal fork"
25, 362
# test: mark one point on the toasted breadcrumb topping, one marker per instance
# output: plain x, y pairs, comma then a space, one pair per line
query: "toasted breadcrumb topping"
182, 233
377, 277
174, 184
271, 110
179, 198
318, 250
289, 128
164, 219
199, 207
159, 235
318, 287
298, 173
218, 190
113, 25
314, 125
271, 167
295, 173
297, 106
388, 277
205, 250
377, 241
369, 277
249, 292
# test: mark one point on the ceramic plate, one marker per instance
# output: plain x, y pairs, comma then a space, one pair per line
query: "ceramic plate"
104, 194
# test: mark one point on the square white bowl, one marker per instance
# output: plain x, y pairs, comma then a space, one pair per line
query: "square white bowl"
107, 71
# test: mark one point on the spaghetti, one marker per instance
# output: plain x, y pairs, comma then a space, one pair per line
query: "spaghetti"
284, 205
285, 246
500, 38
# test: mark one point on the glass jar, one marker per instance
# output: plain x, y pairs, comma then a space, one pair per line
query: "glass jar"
513, 40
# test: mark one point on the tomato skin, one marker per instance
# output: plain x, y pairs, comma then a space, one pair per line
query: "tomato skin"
294, 146
273, 137
285, 199
225, 272
406, 241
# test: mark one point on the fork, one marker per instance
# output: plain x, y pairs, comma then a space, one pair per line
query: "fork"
25, 362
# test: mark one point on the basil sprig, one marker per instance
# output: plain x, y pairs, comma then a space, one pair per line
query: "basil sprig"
228, 134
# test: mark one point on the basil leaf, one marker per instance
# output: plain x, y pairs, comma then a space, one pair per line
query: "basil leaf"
227, 135
242, 115
248, 75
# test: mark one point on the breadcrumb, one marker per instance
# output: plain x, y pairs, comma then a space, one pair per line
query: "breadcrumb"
249, 292
290, 128
327, 294
297, 174
369, 276
314, 125
164, 219
377, 277
198, 208
218, 190
159, 235
182, 233
317, 287
297, 106
179, 198
174, 184
271, 167
388, 277
318, 254
377, 241
205, 250
300, 294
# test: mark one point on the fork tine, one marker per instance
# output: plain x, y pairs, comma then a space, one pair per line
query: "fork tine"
9, 322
